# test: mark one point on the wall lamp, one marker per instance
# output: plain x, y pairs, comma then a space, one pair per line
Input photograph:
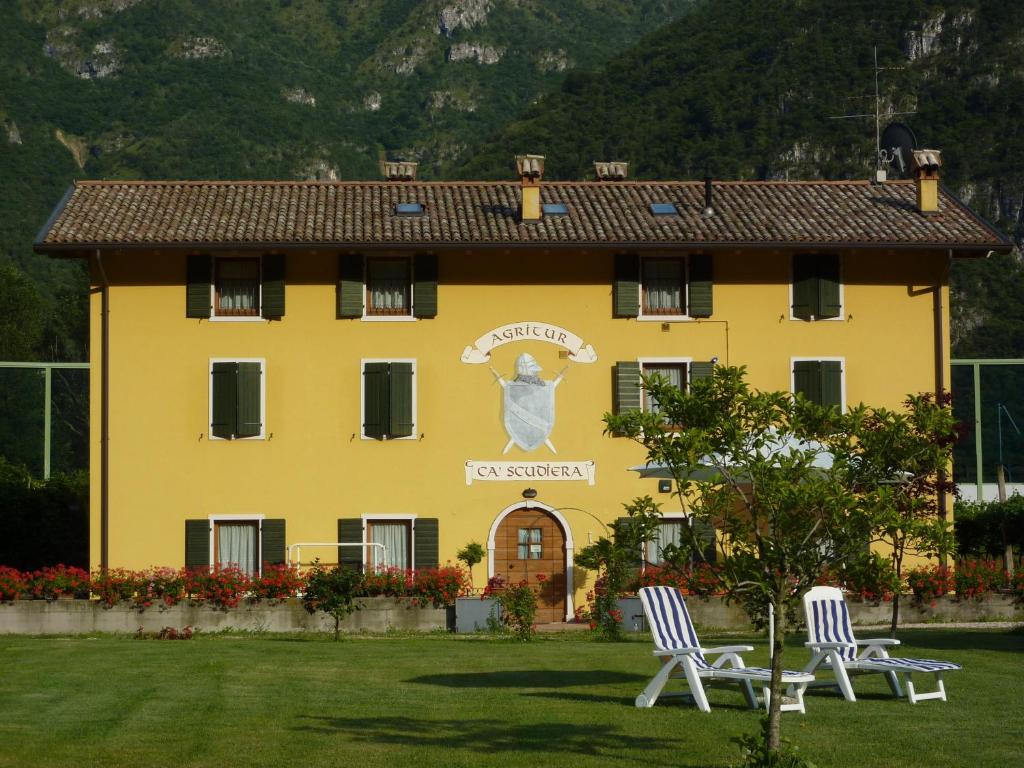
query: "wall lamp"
530, 493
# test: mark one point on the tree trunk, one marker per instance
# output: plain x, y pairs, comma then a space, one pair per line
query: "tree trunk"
337, 627
771, 734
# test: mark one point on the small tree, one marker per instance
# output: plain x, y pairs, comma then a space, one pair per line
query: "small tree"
470, 555
755, 465
901, 466
332, 591
616, 559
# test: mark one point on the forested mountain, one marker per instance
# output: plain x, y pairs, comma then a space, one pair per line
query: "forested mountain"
326, 88
258, 89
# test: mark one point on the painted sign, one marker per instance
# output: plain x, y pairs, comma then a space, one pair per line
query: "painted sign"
480, 351
529, 400
527, 471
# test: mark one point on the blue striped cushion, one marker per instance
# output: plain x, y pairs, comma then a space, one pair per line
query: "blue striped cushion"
830, 623
670, 621
917, 665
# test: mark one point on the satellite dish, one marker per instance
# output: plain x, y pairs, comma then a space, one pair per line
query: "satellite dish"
896, 150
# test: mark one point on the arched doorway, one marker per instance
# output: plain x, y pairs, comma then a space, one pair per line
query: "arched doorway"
529, 540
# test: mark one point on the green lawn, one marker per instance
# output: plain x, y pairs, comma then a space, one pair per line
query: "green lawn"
464, 701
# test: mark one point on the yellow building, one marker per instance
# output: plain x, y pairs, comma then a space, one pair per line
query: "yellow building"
279, 366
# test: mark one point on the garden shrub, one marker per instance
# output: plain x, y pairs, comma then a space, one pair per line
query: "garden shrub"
52, 582
928, 582
518, 603
222, 587
974, 577
13, 584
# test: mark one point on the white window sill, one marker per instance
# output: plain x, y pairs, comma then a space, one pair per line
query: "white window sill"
663, 318
413, 436
214, 439
389, 319
838, 319
242, 319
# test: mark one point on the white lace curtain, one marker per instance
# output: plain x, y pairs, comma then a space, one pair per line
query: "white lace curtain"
389, 286
238, 285
663, 286
236, 545
395, 538
669, 532
673, 374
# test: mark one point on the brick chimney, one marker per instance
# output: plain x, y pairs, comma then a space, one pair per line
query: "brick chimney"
399, 170
531, 170
926, 177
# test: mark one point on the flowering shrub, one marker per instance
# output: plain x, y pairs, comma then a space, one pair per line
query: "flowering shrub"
871, 579
440, 586
278, 582
518, 605
59, 581
222, 587
388, 582
701, 580
1017, 585
928, 582
167, 633
975, 577
115, 585
13, 584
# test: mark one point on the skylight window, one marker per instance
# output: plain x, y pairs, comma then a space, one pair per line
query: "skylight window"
555, 209
664, 209
408, 209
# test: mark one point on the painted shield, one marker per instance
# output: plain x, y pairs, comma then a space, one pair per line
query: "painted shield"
529, 413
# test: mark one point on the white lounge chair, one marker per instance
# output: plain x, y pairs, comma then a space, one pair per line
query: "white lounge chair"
834, 647
682, 656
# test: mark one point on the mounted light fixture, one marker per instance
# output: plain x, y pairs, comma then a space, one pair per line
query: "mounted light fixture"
530, 493
664, 486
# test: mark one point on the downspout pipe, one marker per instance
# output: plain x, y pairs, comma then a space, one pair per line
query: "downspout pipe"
104, 414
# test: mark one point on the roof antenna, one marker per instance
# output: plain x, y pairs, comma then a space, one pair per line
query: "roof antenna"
881, 156
709, 208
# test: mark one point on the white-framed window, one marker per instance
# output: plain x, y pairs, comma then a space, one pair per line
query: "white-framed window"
389, 288
237, 540
816, 288
237, 398
395, 533
236, 289
675, 370
821, 380
670, 531
387, 399
664, 290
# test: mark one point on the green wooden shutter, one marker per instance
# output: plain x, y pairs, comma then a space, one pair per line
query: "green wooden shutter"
376, 400
249, 419
701, 371
350, 531
350, 285
197, 543
425, 543
828, 287
224, 396
272, 285
198, 286
807, 379
700, 285
272, 541
831, 383
626, 293
401, 400
704, 538
626, 386
805, 286
424, 289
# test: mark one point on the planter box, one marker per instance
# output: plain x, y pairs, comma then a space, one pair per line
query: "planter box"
472, 613
71, 617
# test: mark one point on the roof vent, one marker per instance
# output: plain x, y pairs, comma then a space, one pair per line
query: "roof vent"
399, 170
555, 209
613, 171
530, 167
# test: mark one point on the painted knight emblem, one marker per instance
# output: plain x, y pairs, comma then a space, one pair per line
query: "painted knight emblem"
529, 405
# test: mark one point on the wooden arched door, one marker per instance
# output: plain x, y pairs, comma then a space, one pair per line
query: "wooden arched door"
531, 543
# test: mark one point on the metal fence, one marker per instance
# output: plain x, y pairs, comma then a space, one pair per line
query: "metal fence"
44, 416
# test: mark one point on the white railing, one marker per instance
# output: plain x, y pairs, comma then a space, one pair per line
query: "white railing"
296, 549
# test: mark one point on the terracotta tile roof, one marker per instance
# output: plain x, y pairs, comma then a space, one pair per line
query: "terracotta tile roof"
114, 214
